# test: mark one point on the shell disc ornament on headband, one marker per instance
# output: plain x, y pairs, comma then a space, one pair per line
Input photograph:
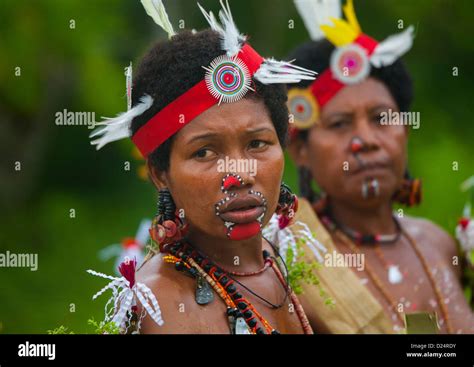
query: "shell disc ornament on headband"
303, 108
228, 79
350, 64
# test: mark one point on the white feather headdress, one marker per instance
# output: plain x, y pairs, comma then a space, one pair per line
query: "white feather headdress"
113, 129
323, 19
392, 48
118, 128
232, 41
271, 71
316, 13
156, 10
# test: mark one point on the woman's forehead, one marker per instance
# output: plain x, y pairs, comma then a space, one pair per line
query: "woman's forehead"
244, 116
367, 94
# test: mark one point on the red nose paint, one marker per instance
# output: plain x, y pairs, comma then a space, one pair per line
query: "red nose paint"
356, 145
230, 182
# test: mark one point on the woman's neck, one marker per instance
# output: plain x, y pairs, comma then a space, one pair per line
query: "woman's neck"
237, 256
367, 220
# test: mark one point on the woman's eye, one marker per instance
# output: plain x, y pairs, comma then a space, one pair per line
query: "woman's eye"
378, 119
337, 124
203, 153
255, 144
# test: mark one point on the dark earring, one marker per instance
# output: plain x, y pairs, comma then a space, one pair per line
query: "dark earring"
287, 206
409, 193
167, 226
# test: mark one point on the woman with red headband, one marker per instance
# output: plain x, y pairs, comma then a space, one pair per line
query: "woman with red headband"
200, 99
349, 138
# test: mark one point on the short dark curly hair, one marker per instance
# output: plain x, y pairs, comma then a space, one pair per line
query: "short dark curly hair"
170, 68
315, 55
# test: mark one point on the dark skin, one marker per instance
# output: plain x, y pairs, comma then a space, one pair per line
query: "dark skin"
240, 130
355, 111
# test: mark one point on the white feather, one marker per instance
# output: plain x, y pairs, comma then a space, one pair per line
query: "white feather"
288, 237
118, 128
466, 211
211, 19
123, 299
146, 296
316, 13
231, 38
272, 71
156, 10
125, 305
143, 234
392, 48
465, 236
128, 84
468, 184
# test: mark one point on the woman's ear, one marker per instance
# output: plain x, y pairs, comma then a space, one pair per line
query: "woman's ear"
157, 177
298, 151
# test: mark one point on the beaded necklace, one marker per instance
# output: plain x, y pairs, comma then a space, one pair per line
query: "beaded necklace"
379, 285
268, 262
242, 316
393, 271
361, 238
266, 265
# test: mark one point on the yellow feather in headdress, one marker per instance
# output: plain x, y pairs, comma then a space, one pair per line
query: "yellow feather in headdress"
343, 32
349, 12
339, 34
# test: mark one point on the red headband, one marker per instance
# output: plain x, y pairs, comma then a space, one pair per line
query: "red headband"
185, 108
326, 86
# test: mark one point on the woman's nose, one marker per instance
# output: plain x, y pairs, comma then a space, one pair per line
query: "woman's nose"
236, 181
365, 137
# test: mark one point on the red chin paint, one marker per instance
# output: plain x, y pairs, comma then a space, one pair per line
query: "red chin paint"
239, 232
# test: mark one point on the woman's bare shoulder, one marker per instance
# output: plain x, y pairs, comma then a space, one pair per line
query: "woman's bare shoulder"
430, 234
174, 292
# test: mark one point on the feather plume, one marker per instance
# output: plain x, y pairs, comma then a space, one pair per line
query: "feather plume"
211, 19
349, 12
231, 38
316, 13
272, 71
340, 33
392, 48
118, 128
156, 10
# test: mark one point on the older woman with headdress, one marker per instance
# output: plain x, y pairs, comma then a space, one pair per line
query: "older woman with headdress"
350, 138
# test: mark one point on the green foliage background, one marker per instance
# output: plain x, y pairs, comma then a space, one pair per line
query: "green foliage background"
81, 69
